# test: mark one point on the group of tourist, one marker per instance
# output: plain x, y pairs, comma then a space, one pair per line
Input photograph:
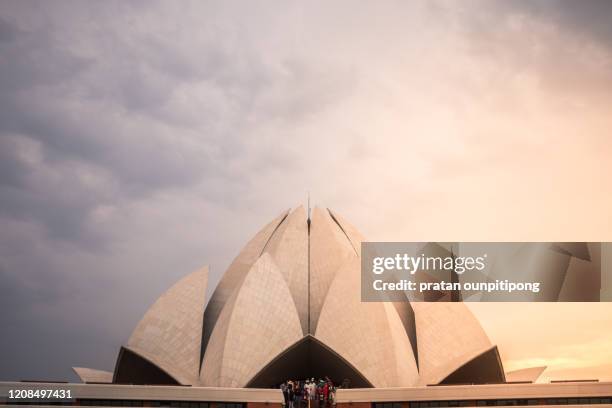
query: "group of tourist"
309, 393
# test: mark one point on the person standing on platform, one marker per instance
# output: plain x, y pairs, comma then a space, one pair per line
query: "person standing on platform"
326, 394
285, 392
297, 391
312, 393
290, 393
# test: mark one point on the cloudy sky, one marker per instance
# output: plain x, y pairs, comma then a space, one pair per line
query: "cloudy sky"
141, 140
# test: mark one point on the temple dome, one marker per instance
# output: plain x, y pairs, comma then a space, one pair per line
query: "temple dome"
289, 306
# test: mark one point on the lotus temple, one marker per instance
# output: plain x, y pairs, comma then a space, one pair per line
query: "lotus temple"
289, 307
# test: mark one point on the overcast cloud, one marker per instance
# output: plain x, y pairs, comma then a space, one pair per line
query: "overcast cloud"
142, 140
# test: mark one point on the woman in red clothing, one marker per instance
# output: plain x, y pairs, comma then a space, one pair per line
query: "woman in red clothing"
326, 393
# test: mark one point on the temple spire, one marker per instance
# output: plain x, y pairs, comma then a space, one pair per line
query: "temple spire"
308, 220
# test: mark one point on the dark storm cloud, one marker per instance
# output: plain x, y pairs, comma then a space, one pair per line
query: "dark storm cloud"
111, 107
30, 59
41, 82
590, 17
12, 170
562, 45
589, 20
7, 31
34, 323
